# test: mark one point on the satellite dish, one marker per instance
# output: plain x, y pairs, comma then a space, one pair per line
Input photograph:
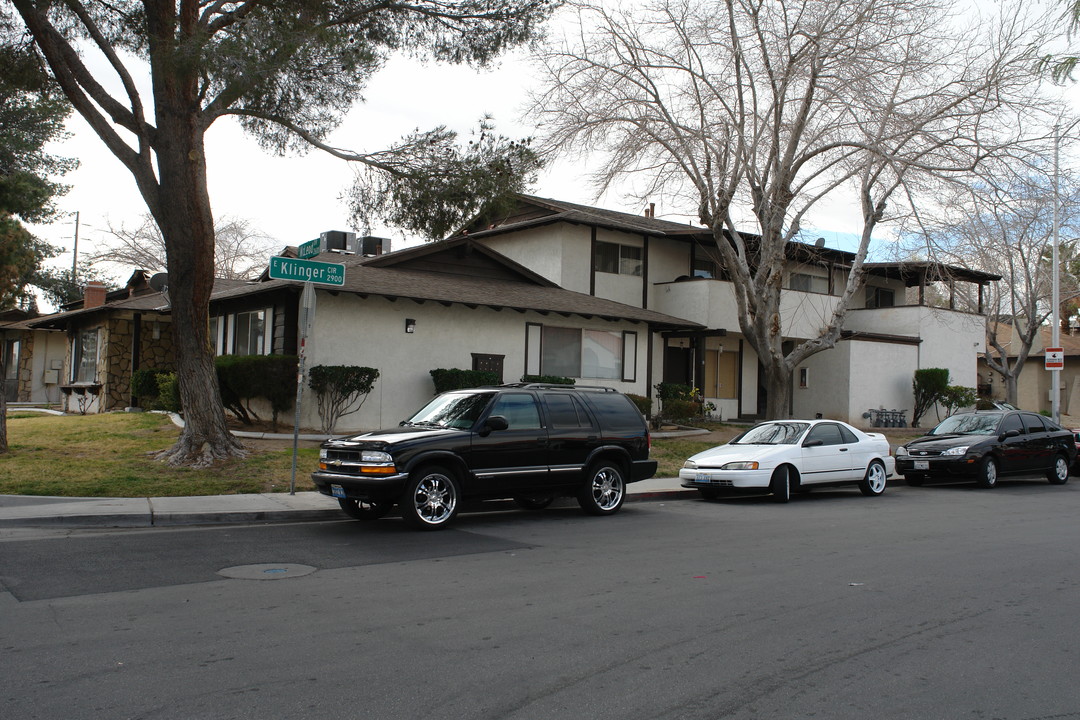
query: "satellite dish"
160, 281
820, 242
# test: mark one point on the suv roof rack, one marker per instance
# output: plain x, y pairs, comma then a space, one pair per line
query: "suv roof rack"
558, 386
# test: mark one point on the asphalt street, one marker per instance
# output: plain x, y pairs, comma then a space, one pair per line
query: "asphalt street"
933, 602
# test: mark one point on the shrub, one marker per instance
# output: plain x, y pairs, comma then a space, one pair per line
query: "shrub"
679, 409
547, 379
643, 403
243, 378
144, 386
928, 386
168, 394
341, 389
955, 397
455, 379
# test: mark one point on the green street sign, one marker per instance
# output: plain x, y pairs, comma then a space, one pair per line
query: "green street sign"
282, 268
309, 249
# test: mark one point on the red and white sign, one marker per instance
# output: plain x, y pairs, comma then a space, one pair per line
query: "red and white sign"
1055, 358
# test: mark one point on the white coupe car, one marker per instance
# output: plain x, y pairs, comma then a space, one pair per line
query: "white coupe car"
785, 456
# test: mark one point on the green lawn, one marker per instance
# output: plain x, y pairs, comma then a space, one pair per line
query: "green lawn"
109, 455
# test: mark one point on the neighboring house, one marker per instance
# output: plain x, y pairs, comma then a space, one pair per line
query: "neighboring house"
554, 288
1033, 385
32, 359
669, 267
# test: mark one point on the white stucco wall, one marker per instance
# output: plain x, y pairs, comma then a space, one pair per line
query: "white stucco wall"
846, 381
349, 330
559, 252
50, 348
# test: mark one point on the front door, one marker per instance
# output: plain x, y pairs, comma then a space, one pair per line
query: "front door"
507, 460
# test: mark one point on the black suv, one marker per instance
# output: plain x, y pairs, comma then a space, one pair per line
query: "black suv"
529, 442
987, 444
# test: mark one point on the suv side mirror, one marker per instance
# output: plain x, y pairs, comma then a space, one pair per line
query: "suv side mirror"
495, 422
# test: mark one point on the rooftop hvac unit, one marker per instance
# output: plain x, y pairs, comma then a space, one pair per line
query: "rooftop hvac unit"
338, 241
371, 245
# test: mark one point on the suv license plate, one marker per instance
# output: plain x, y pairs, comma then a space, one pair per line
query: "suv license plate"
922, 464
337, 491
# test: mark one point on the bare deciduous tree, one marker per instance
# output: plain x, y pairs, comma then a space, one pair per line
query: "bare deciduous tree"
757, 110
1001, 221
240, 249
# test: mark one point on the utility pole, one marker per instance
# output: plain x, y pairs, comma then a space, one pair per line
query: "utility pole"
1055, 332
75, 250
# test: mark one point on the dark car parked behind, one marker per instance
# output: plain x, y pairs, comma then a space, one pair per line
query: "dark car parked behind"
529, 442
986, 445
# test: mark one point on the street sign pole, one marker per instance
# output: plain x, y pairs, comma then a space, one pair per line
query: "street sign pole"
307, 317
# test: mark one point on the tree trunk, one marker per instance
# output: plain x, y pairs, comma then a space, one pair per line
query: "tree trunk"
187, 226
1010, 388
777, 390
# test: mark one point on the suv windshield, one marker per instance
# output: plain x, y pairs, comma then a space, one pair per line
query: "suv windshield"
453, 410
780, 433
969, 424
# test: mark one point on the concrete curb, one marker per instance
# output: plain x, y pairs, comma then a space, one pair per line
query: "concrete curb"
173, 512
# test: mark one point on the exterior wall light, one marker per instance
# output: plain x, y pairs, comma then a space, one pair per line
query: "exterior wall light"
410, 325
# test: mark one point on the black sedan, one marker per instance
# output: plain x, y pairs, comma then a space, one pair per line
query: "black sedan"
983, 446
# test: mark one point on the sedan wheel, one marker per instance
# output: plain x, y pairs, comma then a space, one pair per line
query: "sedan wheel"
1059, 474
431, 497
364, 510
604, 491
873, 483
988, 472
780, 484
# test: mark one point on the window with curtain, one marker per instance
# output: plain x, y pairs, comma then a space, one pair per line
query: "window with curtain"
85, 358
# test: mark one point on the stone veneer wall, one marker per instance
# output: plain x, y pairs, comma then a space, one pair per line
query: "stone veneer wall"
116, 361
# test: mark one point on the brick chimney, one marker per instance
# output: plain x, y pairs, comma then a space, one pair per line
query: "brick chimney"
94, 295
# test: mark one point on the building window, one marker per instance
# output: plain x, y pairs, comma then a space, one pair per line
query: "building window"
804, 377
246, 333
578, 353
879, 297
616, 258
808, 283
84, 359
703, 268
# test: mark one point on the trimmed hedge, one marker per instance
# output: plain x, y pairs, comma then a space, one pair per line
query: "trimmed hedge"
454, 379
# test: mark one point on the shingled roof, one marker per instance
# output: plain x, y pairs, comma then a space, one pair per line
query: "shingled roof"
395, 276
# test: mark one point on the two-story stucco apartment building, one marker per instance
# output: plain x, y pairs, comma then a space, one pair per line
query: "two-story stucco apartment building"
555, 288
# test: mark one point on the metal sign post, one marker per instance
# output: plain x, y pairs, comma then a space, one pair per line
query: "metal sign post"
307, 317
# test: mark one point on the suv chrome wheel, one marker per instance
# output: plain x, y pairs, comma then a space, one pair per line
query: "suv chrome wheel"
604, 491
431, 498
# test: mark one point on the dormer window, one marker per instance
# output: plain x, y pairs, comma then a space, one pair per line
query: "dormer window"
617, 259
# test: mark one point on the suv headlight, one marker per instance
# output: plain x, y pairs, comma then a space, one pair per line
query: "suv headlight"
744, 465
902, 450
322, 453
956, 450
375, 456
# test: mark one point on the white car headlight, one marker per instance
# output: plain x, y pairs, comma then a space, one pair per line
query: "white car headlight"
690, 465
742, 465
956, 450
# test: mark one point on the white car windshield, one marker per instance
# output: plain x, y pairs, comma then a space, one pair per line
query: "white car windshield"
968, 425
777, 433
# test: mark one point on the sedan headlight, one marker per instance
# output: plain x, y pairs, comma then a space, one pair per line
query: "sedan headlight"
690, 465
956, 450
743, 465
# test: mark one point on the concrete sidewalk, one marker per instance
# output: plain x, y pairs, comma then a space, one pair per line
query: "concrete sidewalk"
26, 510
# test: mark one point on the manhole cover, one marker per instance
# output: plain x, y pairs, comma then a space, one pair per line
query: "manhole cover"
266, 571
